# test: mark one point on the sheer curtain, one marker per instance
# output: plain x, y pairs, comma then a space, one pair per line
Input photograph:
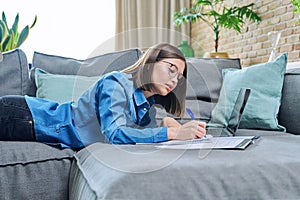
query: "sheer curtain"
143, 23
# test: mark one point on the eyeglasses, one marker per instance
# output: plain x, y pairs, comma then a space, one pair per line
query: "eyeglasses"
173, 71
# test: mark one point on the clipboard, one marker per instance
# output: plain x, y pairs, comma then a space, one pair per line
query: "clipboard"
237, 142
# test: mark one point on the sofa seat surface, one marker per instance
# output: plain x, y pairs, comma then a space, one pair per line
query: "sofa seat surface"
245, 132
267, 169
32, 170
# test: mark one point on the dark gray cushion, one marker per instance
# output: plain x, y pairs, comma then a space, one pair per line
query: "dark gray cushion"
14, 74
204, 84
201, 109
31, 170
89, 67
290, 107
205, 76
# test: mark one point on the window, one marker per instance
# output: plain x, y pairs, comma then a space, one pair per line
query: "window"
68, 28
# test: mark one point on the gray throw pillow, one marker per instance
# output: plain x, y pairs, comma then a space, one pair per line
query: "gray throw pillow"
205, 77
204, 84
290, 107
94, 66
14, 74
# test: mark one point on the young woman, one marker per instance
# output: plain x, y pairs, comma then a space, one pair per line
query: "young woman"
118, 109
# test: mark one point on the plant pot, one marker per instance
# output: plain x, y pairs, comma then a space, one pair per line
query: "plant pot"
216, 55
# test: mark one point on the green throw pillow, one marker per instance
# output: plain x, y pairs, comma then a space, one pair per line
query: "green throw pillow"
61, 88
265, 81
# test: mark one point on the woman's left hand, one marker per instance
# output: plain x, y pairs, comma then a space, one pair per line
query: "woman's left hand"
170, 122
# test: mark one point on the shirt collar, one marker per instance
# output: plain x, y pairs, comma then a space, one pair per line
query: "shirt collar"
139, 97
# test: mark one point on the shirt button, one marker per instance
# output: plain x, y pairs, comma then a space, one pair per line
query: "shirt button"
57, 128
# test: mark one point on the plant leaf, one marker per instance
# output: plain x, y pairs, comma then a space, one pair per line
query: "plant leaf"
5, 29
34, 22
16, 23
4, 19
1, 33
11, 44
204, 2
23, 36
5, 44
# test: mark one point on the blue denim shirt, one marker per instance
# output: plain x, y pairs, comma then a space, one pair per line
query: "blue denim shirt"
113, 111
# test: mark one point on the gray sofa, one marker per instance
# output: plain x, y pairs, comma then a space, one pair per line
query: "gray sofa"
31, 170
267, 169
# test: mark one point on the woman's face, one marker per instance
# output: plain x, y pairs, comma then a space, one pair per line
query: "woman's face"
166, 74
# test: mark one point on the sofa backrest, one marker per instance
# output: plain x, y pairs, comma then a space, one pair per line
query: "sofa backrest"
18, 79
95, 66
289, 112
14, 73
204, 79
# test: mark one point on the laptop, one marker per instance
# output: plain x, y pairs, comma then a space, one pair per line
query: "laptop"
235, 117
213, 138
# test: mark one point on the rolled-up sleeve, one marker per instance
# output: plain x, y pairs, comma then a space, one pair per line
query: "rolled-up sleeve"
118, 118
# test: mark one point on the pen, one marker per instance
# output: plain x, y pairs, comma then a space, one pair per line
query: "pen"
191, 114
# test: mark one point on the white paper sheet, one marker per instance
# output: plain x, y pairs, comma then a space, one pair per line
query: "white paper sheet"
237, 142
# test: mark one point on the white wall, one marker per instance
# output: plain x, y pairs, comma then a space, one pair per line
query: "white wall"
70, 28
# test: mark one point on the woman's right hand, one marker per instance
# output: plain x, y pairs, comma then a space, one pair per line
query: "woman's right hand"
190, 130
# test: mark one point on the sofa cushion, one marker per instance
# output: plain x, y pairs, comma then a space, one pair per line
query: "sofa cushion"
205, 77
14, 74
290, 106
204, 83
265, 81
269, 169
94, 66
201, 109
31, 170
61, 88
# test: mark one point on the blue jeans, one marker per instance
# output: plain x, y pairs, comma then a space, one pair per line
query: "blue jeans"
16, 123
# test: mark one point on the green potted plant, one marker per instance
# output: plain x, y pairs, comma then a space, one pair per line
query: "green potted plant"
11, 38
296, 4
217, 16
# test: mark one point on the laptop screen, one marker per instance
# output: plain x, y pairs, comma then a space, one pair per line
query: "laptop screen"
238, 109
235, 117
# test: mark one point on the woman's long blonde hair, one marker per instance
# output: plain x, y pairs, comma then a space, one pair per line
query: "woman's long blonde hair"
141, 71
